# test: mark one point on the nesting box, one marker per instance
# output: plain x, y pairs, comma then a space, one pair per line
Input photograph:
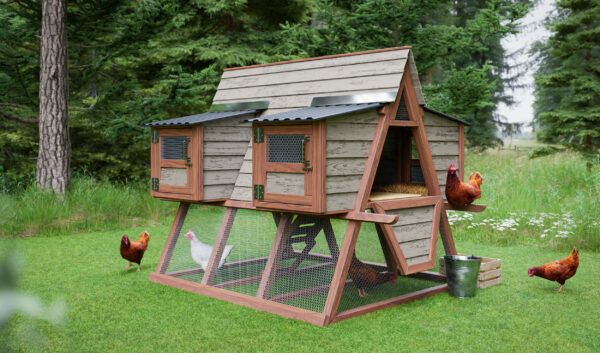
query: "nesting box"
343, 137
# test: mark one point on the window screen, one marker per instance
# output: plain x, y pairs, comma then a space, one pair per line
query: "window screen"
173, 147
285, 148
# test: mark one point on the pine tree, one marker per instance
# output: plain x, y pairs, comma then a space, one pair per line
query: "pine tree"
569, 79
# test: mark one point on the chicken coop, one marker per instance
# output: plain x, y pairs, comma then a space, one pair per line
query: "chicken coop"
309, 186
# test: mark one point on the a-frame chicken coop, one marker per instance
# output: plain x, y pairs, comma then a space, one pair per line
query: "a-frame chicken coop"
305, 163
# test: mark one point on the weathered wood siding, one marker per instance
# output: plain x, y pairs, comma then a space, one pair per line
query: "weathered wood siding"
349, 141
413, 232
442, 135
293, 85
243, 185
225, 144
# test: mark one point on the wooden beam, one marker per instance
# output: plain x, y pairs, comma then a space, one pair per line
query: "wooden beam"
368, 217
242, 299
446, 233
347, 314
403, 123
429, 276
165, 257
468, 208
219, 246
283, 229
461, 151
227, 265
405, 203
341, 270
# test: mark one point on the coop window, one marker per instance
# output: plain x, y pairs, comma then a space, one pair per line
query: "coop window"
402, 112
285, 148
174, 147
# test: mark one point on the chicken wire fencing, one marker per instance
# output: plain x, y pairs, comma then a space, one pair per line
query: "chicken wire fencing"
370, 280
295, 268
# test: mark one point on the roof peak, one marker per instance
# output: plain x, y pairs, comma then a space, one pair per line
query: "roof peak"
319, 58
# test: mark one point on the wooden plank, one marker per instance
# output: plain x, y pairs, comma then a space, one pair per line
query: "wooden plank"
412, 232
411, 261
345, 166
343, 183
241, 299
214, 192
219, 246
368, 217
222, 162
424, 293
339, 202
443, 162
340, 273
227, 133
431, 119
412, 215
415, 248
444, 148
285, 183
242, 194
446, 233
323, 61
368, 117
167, 252
348, 149
461, 151
324, 87
244, 180
468, 208
283, 229
235, 122
390, 67
226, 148
406, 203
319, 181
430, 276
442, 133
220, 177
246, 167
350, 131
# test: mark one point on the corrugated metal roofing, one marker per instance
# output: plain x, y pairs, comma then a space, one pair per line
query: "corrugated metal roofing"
316, 113
201, 118
445, 115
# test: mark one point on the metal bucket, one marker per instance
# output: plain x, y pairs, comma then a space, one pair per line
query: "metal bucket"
461, 274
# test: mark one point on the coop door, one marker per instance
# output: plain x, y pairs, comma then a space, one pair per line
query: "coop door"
175, 160
284, 165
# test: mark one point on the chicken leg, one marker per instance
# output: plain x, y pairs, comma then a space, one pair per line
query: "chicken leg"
128, 266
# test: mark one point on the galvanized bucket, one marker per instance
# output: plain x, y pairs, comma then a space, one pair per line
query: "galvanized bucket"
461, 274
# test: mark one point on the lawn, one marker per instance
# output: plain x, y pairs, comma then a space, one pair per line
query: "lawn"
537, 211
110, 310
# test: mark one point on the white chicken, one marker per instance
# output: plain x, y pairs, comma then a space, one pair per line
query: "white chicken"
201, 251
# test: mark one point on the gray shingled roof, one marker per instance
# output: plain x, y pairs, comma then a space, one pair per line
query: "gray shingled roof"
201, 118
316, 113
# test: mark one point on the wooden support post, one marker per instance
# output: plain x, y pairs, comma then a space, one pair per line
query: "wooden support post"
163, 262
341, 270
330, 237
387, 252
283, 228
446, 232
220, 242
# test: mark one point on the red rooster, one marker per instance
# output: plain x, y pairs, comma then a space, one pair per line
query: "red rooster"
364, 276
133, 251
461, 194
558, 271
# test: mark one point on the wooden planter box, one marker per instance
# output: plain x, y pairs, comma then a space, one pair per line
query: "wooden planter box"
490, 272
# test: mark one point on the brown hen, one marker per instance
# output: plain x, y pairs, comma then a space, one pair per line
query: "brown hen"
460, 194
133, 251
558, 271
364, 276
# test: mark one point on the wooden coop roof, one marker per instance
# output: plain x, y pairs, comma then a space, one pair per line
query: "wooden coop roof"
293, 84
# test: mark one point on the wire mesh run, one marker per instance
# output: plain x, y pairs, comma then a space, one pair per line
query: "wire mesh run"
284, 258
370, 279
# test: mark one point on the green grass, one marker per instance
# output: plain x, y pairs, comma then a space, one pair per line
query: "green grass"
90, 206
110, 310
521, 189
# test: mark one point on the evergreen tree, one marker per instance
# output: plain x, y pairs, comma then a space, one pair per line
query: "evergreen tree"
568, 81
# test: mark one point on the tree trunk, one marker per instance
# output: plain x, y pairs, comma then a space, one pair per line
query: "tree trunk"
54, 157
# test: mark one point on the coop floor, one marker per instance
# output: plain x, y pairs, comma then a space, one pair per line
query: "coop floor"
380, 196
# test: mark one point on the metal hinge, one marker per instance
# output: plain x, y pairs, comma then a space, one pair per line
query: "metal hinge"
259, 135
155, 184
154, 136
259, 192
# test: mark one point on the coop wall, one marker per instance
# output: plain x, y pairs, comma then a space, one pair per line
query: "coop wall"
225, 145
443, 137
349, 141
293, 85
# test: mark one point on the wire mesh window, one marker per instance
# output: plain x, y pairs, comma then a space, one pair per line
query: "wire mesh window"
174, 147
285, 148
402, 113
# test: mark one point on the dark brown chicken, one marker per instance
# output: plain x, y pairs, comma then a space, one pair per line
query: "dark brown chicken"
364, 276
558, 271
133, 251
460, 194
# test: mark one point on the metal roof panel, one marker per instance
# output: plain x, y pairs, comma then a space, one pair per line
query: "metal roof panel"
315, 113
201, 118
